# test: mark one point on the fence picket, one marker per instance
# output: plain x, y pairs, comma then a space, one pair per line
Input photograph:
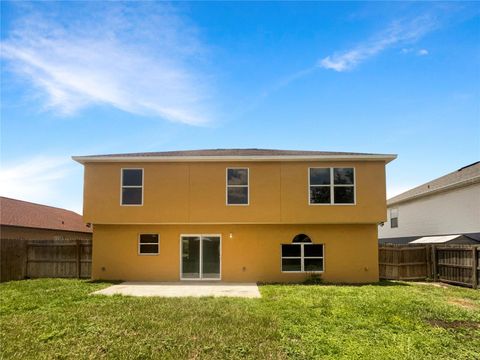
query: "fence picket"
457, 264
22, 259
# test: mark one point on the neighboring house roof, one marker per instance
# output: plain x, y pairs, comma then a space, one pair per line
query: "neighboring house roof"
464, 176
26, 214
234, 154
473, 238
435, 239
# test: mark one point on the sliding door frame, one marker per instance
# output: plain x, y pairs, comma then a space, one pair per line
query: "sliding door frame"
201, 236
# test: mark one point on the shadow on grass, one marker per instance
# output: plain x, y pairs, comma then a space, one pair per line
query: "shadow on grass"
112, 282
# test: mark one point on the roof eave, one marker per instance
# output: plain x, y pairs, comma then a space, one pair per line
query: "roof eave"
459, 184
103, 159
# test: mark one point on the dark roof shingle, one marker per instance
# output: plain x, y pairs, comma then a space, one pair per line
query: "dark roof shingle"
231, 152
26, 214
205, 154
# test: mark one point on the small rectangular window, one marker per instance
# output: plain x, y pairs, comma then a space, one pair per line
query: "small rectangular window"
132, 187
394, 218
148, 244
331, 186
237, 186
303, 257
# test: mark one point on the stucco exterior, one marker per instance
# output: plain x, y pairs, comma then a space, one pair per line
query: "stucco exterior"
251, 254
190, 198
195, 193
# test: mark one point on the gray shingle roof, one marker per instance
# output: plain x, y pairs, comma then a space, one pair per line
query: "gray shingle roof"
239, 154
230, 152
463, 176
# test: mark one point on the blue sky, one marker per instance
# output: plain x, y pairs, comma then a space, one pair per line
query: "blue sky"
84, 78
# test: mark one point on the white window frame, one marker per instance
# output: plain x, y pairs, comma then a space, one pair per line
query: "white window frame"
302, 259
228, 186
201, 278
131, 186
391, 210
332, 186
157, 243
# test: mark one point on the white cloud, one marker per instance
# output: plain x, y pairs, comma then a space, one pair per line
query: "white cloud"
40, 180
137, 60
422, 52
400, 32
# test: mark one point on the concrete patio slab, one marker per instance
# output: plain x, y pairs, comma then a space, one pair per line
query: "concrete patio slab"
183, 289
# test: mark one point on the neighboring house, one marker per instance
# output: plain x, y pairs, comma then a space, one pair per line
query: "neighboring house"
235, 215
25, 220
449, 205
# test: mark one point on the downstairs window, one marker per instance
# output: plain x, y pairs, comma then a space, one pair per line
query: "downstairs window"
302, 255
148, 244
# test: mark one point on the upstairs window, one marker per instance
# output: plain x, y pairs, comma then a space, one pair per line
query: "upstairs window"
148, 244
132, 187
393, 218
237, 186
302, 255
331, 186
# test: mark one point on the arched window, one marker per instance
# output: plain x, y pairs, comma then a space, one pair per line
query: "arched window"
301, 238
302, 255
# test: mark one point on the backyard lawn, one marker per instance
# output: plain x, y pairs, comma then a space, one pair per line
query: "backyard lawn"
53, 318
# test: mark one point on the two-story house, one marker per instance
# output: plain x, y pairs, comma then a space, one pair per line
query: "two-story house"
443, 210
235, 215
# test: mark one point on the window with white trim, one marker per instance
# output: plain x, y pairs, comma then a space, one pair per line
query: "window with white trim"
394, 218
237, 186
132, 187
302, 255
331, 186
148, 244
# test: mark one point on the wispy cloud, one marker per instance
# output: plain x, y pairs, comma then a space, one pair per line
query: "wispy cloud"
396, 34
145, 60
399, 32
419, 52
38, 179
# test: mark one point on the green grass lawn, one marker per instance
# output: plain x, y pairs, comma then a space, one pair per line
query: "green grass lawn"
53, 318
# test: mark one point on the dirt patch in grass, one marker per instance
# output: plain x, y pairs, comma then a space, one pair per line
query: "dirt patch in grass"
463, 303
435, 284
455, 324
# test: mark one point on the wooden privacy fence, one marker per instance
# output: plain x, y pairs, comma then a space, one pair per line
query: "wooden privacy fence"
23, 259
456, 264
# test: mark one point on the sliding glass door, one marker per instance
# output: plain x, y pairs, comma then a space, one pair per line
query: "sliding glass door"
200, 257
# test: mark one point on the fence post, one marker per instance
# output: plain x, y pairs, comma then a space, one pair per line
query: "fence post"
434, 263
428, 263
78, 259
474, 266
25, 270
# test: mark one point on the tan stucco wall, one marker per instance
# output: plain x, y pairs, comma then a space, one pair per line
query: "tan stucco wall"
195, 193
14, 232
252, 254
